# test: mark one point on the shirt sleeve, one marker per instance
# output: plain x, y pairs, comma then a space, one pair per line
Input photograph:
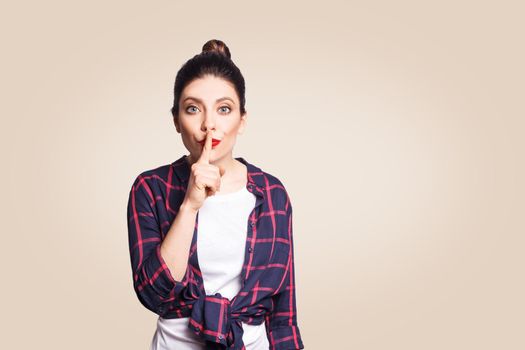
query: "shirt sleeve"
284, 331
152, 281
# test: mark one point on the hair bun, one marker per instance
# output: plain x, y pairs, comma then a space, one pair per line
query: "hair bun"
217, 46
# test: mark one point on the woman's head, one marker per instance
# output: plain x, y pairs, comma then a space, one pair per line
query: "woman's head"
209, 95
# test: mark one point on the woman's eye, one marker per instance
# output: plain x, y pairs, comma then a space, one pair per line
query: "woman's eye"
189, 108
228, 109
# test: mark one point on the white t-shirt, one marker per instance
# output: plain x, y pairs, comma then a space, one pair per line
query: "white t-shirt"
221, 244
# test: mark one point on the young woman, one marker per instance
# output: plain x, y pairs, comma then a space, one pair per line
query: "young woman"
210, 235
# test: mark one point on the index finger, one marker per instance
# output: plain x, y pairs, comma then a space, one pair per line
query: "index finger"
206, 149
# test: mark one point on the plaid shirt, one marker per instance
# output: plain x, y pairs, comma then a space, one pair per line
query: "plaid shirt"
268, 277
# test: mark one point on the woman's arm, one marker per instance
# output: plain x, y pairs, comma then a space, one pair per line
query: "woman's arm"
153, 281
283, 328
175, 248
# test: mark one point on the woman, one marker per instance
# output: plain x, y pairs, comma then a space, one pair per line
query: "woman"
210, 235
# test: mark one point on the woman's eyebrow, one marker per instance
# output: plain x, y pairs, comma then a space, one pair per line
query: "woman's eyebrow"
200, 101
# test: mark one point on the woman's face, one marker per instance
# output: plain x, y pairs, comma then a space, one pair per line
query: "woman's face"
209, 103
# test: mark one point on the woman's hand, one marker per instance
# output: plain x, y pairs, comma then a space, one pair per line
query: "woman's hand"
205, 178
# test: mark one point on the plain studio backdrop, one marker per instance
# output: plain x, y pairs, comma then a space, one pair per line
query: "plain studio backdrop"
397, 128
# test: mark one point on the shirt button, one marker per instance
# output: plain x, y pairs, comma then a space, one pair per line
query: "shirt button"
252, 224
221, 337
250, 249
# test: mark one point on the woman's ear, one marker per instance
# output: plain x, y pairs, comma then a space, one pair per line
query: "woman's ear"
243, 123
176, 122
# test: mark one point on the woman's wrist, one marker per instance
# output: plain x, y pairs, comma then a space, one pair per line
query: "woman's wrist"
187, 207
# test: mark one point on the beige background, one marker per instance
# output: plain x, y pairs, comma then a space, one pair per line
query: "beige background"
397, 128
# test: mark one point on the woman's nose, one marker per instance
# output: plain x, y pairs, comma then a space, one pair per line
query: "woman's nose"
209, 122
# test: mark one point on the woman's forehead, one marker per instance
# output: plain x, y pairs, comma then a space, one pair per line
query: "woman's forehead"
209, 88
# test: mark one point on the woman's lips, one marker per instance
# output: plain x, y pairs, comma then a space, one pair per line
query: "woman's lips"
214, 142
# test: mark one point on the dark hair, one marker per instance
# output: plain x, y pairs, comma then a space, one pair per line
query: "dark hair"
215, 59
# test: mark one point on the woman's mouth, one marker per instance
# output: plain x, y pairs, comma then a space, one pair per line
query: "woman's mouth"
214, 142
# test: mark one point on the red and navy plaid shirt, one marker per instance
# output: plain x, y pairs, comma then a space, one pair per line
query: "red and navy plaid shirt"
268, 276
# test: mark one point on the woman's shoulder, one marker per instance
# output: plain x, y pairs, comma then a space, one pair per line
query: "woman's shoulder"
278, 189
273, 185
150, 177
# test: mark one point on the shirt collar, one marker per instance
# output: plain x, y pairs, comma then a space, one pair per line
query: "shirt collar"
255, 174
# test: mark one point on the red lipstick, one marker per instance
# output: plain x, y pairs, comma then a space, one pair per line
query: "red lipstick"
214, 142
